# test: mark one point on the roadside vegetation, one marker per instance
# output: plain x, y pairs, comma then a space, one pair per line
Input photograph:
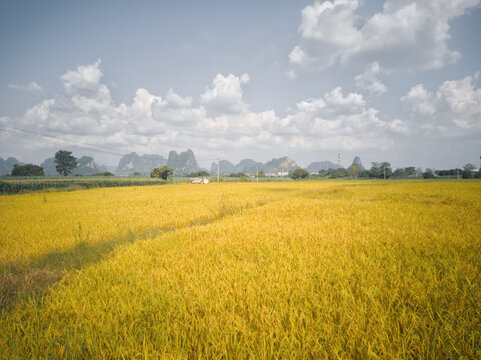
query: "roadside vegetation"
20, 185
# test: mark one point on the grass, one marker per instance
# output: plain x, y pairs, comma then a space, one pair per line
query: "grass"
289, 270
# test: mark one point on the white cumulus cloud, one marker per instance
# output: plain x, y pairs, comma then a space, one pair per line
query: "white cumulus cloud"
225, 94
150, 123
31, 87
368, 80
453, 109
407, 34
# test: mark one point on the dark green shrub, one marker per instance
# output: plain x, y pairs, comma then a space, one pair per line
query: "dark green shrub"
27, 170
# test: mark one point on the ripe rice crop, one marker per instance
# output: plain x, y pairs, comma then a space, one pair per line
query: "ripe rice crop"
332, 269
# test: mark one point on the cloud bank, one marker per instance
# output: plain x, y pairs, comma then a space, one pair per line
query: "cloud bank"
220, 123
406, 35
454, 109
86, 112
368, 80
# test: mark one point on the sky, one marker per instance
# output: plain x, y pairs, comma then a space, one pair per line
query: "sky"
394, 80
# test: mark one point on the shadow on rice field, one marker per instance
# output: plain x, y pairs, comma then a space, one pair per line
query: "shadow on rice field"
19, 281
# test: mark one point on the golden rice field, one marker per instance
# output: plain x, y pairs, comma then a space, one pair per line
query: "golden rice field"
301, 270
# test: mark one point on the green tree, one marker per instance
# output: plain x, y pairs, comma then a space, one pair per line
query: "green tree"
323, 173
337, 173
300, 174
375, 169
353, 171
201, 173
410, 171
428, 174
378, 170
468, 172
163, 172
386, 169
399, 173
27, 170
238, 175
65, 162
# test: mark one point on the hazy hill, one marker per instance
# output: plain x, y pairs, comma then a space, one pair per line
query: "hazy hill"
183, 163
86, 166
226, 167
314, 167
132, 163
282, 164
357, 162
6, 166
49, 167
249, 166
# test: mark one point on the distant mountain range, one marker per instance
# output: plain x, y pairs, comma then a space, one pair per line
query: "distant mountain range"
275, 166
86, 166
315, 167
249, 166
229, 168
6, 166
183, 163
133, 163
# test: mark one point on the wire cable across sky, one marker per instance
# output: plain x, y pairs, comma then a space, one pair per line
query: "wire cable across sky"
55, 140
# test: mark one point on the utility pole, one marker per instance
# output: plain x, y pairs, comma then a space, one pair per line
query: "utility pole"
457, 168
338, 160
218, 170
384, 172
257, 172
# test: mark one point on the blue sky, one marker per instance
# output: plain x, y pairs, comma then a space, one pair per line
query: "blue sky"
385, 80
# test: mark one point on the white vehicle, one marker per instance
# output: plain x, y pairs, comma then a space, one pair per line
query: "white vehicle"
199, 181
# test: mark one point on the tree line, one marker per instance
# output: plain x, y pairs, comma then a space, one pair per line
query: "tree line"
383, 170
65, 163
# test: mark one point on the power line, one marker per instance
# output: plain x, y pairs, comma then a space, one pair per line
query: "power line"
30, 137
55, 140
56, 137
58, 142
